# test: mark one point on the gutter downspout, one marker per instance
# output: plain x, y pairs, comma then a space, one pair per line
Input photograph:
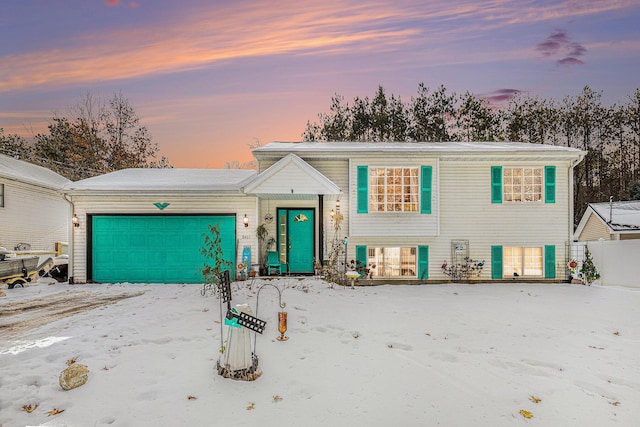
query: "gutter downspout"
571, 194
71, 241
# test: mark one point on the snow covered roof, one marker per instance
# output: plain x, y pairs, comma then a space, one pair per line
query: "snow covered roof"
412, 147
291, 173
619, 216
29, 173
168, 179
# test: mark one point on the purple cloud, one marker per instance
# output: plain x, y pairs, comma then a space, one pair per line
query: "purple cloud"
553, 43
577, 49
559, 42
500, 95
569, 61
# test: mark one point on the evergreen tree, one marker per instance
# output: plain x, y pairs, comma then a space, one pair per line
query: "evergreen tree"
589, 270
14, 146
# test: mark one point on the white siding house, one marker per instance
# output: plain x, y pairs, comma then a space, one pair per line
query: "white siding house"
34, 217
410, 208
407, 212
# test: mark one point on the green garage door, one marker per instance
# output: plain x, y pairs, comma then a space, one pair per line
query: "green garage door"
155, 249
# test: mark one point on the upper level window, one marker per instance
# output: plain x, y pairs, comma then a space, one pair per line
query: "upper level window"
393, 189
522, 184
1, 195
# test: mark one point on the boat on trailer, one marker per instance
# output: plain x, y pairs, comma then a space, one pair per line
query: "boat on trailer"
18, 271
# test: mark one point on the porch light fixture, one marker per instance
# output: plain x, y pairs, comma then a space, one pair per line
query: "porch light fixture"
332, 213
75, 221
246, 220
338, 205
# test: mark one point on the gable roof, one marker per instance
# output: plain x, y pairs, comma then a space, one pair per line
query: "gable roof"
168, 179
618, 217
29, 173
291, 177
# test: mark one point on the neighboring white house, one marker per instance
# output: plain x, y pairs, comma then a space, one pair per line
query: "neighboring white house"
34, 217
405, 209
147, 225
611, 231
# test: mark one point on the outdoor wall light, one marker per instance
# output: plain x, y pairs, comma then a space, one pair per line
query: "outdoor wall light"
332, 213
338, 205
246, 220
75, 221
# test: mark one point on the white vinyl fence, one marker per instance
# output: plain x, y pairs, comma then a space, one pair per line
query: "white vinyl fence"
617, 261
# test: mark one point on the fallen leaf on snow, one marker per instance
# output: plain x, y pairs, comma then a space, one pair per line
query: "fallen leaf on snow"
55, 411
616, 403
534, 399
29, 408
106, 368
251, 407
72, 361
597, 348
616, 333
428, 334
276, 398
192, 397
526, 414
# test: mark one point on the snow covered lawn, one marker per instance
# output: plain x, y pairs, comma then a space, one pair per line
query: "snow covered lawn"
450, 355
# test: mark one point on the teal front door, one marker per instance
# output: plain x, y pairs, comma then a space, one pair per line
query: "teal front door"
155, 248
296, 239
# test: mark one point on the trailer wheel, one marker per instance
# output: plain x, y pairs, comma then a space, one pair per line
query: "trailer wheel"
19, 282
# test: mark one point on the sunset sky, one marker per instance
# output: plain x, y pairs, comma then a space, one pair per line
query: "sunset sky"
210, 77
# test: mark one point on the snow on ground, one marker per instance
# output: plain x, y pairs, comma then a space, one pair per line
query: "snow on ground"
450, 355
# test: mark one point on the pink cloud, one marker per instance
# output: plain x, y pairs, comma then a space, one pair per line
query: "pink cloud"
112, 3
134, 4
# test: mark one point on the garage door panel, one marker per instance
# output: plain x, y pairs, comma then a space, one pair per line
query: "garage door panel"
155, 249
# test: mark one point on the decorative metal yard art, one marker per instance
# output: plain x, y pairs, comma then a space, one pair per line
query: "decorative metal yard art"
462, 267
238, 361
282, 315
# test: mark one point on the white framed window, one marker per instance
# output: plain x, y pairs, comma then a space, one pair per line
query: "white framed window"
393, 262
522, 261
394, 189
1, 195
523, 184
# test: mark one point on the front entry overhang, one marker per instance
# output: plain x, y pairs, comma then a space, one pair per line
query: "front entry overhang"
291, 178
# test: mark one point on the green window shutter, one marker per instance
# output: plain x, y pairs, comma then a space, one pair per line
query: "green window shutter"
496, 184
550, 262
363, 189
425, 190
549, 184
361, 257
423, 262
496, 262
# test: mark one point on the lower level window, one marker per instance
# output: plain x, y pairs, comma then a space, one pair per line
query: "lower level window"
393, 262
522, 261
